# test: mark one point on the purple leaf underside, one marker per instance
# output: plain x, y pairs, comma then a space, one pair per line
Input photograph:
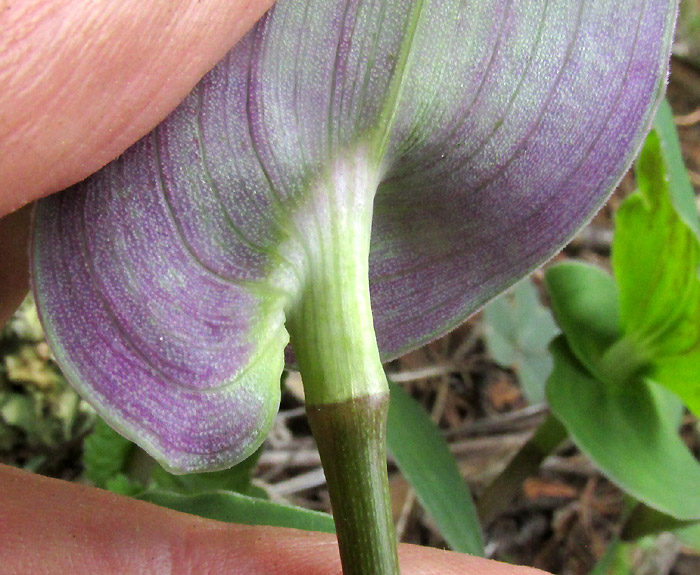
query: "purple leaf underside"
497, 128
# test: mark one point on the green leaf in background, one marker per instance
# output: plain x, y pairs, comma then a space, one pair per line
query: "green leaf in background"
617, 559
518, 329
621, 558
656, 257
628, 433
122, 485
107, 457
237, 478
687, 41
424, 458
238, 508
644, 521
105, 454
584, 301
689, 536
682, 193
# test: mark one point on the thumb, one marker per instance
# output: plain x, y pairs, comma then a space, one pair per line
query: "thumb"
49, 526
83, 81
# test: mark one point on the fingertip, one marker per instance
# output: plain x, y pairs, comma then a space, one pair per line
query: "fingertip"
81, 84
51, 526
278, 551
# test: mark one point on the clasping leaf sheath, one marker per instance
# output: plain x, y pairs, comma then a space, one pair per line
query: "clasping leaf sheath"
443, 149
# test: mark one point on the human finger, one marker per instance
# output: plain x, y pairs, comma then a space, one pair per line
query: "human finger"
49, 526
83, 81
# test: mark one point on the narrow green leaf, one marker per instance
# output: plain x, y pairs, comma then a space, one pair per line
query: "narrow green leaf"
621, 558
682, 193
425, 460
584, 301
496, 498
689, 536
518, 329
106, 454
616, 560
627, 433
644, 521
238, 508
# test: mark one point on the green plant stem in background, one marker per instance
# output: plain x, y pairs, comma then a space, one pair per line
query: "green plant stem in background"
498, 495
623, 361
351, 438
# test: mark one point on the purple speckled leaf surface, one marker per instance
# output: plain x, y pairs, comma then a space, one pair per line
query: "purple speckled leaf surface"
494, 130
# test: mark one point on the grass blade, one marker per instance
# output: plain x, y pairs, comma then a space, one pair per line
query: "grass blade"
425, 460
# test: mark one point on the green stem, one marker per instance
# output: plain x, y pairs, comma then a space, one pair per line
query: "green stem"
505, 488
351, 438
624, 360
332, 332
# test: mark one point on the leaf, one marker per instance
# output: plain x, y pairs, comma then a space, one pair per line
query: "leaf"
627, 433
44, 422
622, 558
106, 454
584, 302
509, 483
518, 329
617, 559
237, 478
680, 374
690, 536
425, 460
8, 436
107, 457
682, 192
656, 259
472, 138
122, 485
237, 508
687, 41
645, 521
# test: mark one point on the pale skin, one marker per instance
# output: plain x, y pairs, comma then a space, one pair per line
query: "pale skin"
81, 82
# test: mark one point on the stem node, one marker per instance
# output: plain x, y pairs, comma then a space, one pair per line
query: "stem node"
351, 438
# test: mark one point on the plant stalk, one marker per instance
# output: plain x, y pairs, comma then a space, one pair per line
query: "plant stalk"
501, 492
332, 333
351, 438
